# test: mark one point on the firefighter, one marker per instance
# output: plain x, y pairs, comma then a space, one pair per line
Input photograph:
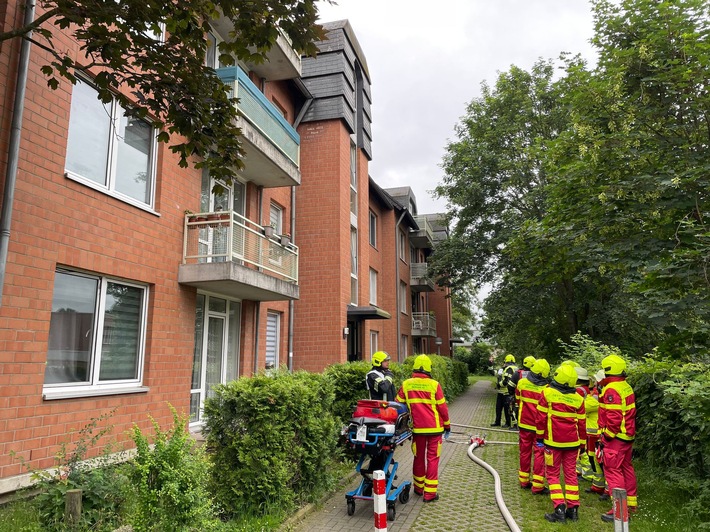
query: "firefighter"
528, 362
430, 419
583, 467
506, 394
561, 427
380, 380
527, 396
591, 405
617, 430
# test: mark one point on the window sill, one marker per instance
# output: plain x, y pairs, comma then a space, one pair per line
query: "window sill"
50, 395
112, 193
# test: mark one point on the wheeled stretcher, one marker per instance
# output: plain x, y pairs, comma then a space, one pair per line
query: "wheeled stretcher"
376, 429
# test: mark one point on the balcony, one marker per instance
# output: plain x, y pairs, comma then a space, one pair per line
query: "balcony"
423, 324
419, 278
424, 237
225, 253
271, 145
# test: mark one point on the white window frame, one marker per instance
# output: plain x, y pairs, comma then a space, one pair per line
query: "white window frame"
276, 217
353, 266
404, 347
374, 341
274, 354
403, 297
402, 247
109, 186
95, 387
373, 229
373, 287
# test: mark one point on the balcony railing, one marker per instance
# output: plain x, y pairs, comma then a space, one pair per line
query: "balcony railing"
227, 236
423, 324
424, 237
420, 281
261, 113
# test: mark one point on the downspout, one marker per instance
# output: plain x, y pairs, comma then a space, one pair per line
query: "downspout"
292, 303
396, 276
257, 304
13, 152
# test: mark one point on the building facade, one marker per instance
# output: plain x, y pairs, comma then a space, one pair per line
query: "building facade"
132, 284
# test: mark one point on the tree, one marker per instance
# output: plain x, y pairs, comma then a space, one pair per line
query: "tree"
462, 317
165, 79
632, 201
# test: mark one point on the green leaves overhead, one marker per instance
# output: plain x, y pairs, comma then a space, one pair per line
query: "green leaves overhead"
167, 77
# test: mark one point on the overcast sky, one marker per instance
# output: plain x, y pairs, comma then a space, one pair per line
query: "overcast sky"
427, 60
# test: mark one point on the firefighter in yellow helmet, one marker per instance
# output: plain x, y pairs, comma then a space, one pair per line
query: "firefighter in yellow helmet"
425, 400
380, 380
561, 424
617, 430
506, 391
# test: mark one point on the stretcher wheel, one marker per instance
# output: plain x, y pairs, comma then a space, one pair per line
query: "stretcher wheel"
391, 513
404, 495
351, 507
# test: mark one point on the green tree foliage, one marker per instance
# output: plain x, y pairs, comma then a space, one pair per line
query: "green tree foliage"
631, 200
475, 357
167, 78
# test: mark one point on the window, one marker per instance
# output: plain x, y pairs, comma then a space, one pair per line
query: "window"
373, 342
373, 287
402, 246
353, 183
273, 334
96, 332
276, 218
373, 229
353, 266
108, 150
403, 297
403, 349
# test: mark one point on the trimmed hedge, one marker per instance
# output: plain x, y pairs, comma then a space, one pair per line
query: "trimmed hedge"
272, 440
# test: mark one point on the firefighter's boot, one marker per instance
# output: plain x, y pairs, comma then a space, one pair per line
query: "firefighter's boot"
572, 513
558, 516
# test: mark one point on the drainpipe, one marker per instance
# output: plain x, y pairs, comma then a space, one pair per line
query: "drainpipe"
13, 151
257, 310
291, 303
397, 283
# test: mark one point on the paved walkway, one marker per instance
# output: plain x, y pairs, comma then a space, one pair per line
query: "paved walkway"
466, 490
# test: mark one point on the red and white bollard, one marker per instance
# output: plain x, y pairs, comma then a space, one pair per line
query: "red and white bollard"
621, 510
380, 499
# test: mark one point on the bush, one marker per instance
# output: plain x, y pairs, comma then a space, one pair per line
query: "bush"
451, 374
348, 382
272, 441
170, 480
476, 358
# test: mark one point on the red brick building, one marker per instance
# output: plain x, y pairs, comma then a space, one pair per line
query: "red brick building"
130, 285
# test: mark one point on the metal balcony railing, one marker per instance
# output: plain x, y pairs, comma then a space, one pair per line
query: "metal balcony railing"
425, 236
420, 280
261, 113
423, 324
228, 236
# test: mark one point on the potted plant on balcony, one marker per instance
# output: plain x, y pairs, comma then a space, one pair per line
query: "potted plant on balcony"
286, 240
269, 231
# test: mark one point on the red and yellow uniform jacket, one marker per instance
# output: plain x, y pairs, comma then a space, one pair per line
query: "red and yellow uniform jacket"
617, 409
427, 405
527, 397
561, 418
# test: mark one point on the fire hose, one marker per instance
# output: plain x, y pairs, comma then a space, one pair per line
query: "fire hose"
479, 441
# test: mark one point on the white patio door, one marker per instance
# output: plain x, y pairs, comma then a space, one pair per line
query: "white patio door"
231, 199
216, 354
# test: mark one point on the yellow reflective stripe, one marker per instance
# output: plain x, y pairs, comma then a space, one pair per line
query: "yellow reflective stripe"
419, 479
431, 482
572, 497
529, 400
614, 407
428, 489
555, 487
557, 413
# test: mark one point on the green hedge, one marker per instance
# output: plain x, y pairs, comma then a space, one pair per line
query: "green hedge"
272, 440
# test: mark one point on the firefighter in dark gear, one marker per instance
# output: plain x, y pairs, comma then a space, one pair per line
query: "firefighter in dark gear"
561, 424
430, 420
617, 430
527, 396
506, 391
380, 380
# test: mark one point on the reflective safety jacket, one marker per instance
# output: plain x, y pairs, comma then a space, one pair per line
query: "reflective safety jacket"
617, 409
504, 383
527, 396
427, 405
561, 418
591, 405
379, 382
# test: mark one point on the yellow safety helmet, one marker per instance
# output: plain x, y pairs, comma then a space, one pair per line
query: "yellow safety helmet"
510, 358
528, 361
379, 357
566, 374
613, 366
422, 363
541, 367
571, 363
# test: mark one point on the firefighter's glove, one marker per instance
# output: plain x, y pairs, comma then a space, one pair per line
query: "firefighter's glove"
447, 433
599, 452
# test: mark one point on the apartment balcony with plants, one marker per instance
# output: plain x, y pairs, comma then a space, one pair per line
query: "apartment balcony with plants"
226, 253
